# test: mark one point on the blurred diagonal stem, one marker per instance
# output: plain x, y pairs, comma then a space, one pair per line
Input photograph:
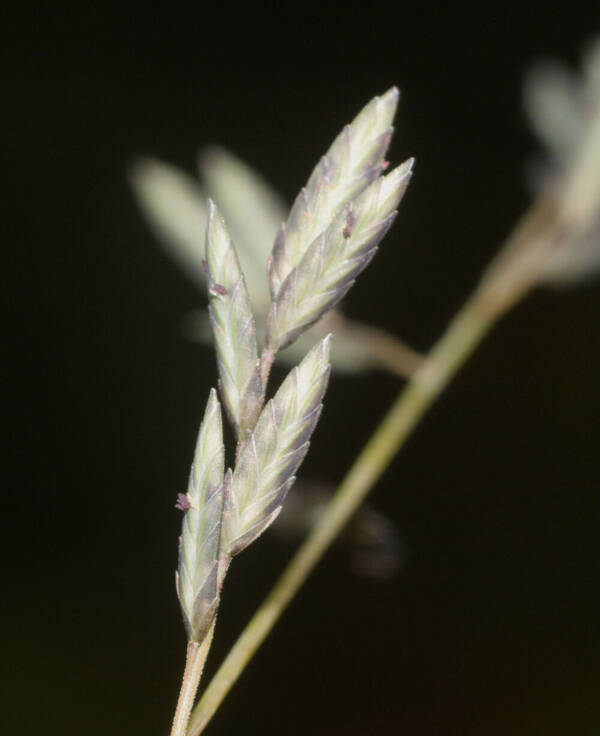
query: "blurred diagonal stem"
464, 333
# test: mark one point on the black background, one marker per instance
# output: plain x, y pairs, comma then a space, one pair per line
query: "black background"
492, 625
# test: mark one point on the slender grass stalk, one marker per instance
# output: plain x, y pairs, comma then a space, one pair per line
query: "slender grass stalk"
463, 335
194, 664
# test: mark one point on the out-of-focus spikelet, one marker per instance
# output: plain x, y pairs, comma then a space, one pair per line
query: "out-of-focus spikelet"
175, 207
198, 571
271, 455
233, 327
559, 242
572, 110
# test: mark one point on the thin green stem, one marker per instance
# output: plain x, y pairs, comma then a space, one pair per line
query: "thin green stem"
194, 664
462, 336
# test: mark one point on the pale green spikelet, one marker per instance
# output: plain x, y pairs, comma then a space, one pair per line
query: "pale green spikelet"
253, 212
355, 159
233, 327
197, 578
329, 266
273, 452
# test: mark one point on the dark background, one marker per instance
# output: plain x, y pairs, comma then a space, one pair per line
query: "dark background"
492, 625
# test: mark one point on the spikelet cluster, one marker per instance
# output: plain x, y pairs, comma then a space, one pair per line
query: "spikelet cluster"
175, 206
329, 237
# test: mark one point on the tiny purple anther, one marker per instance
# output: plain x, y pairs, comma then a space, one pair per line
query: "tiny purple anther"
347, 231
213, 287
183, 502
217, 289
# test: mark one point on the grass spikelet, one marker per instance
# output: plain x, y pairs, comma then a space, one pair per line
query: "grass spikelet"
332, 262
354, 160
197, 576
233, 327
274, 451
253, 212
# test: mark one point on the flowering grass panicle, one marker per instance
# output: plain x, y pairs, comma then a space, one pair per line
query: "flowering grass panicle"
330, 236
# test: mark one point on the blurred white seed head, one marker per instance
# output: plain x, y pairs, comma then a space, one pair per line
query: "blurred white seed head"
565, 112
559, 241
